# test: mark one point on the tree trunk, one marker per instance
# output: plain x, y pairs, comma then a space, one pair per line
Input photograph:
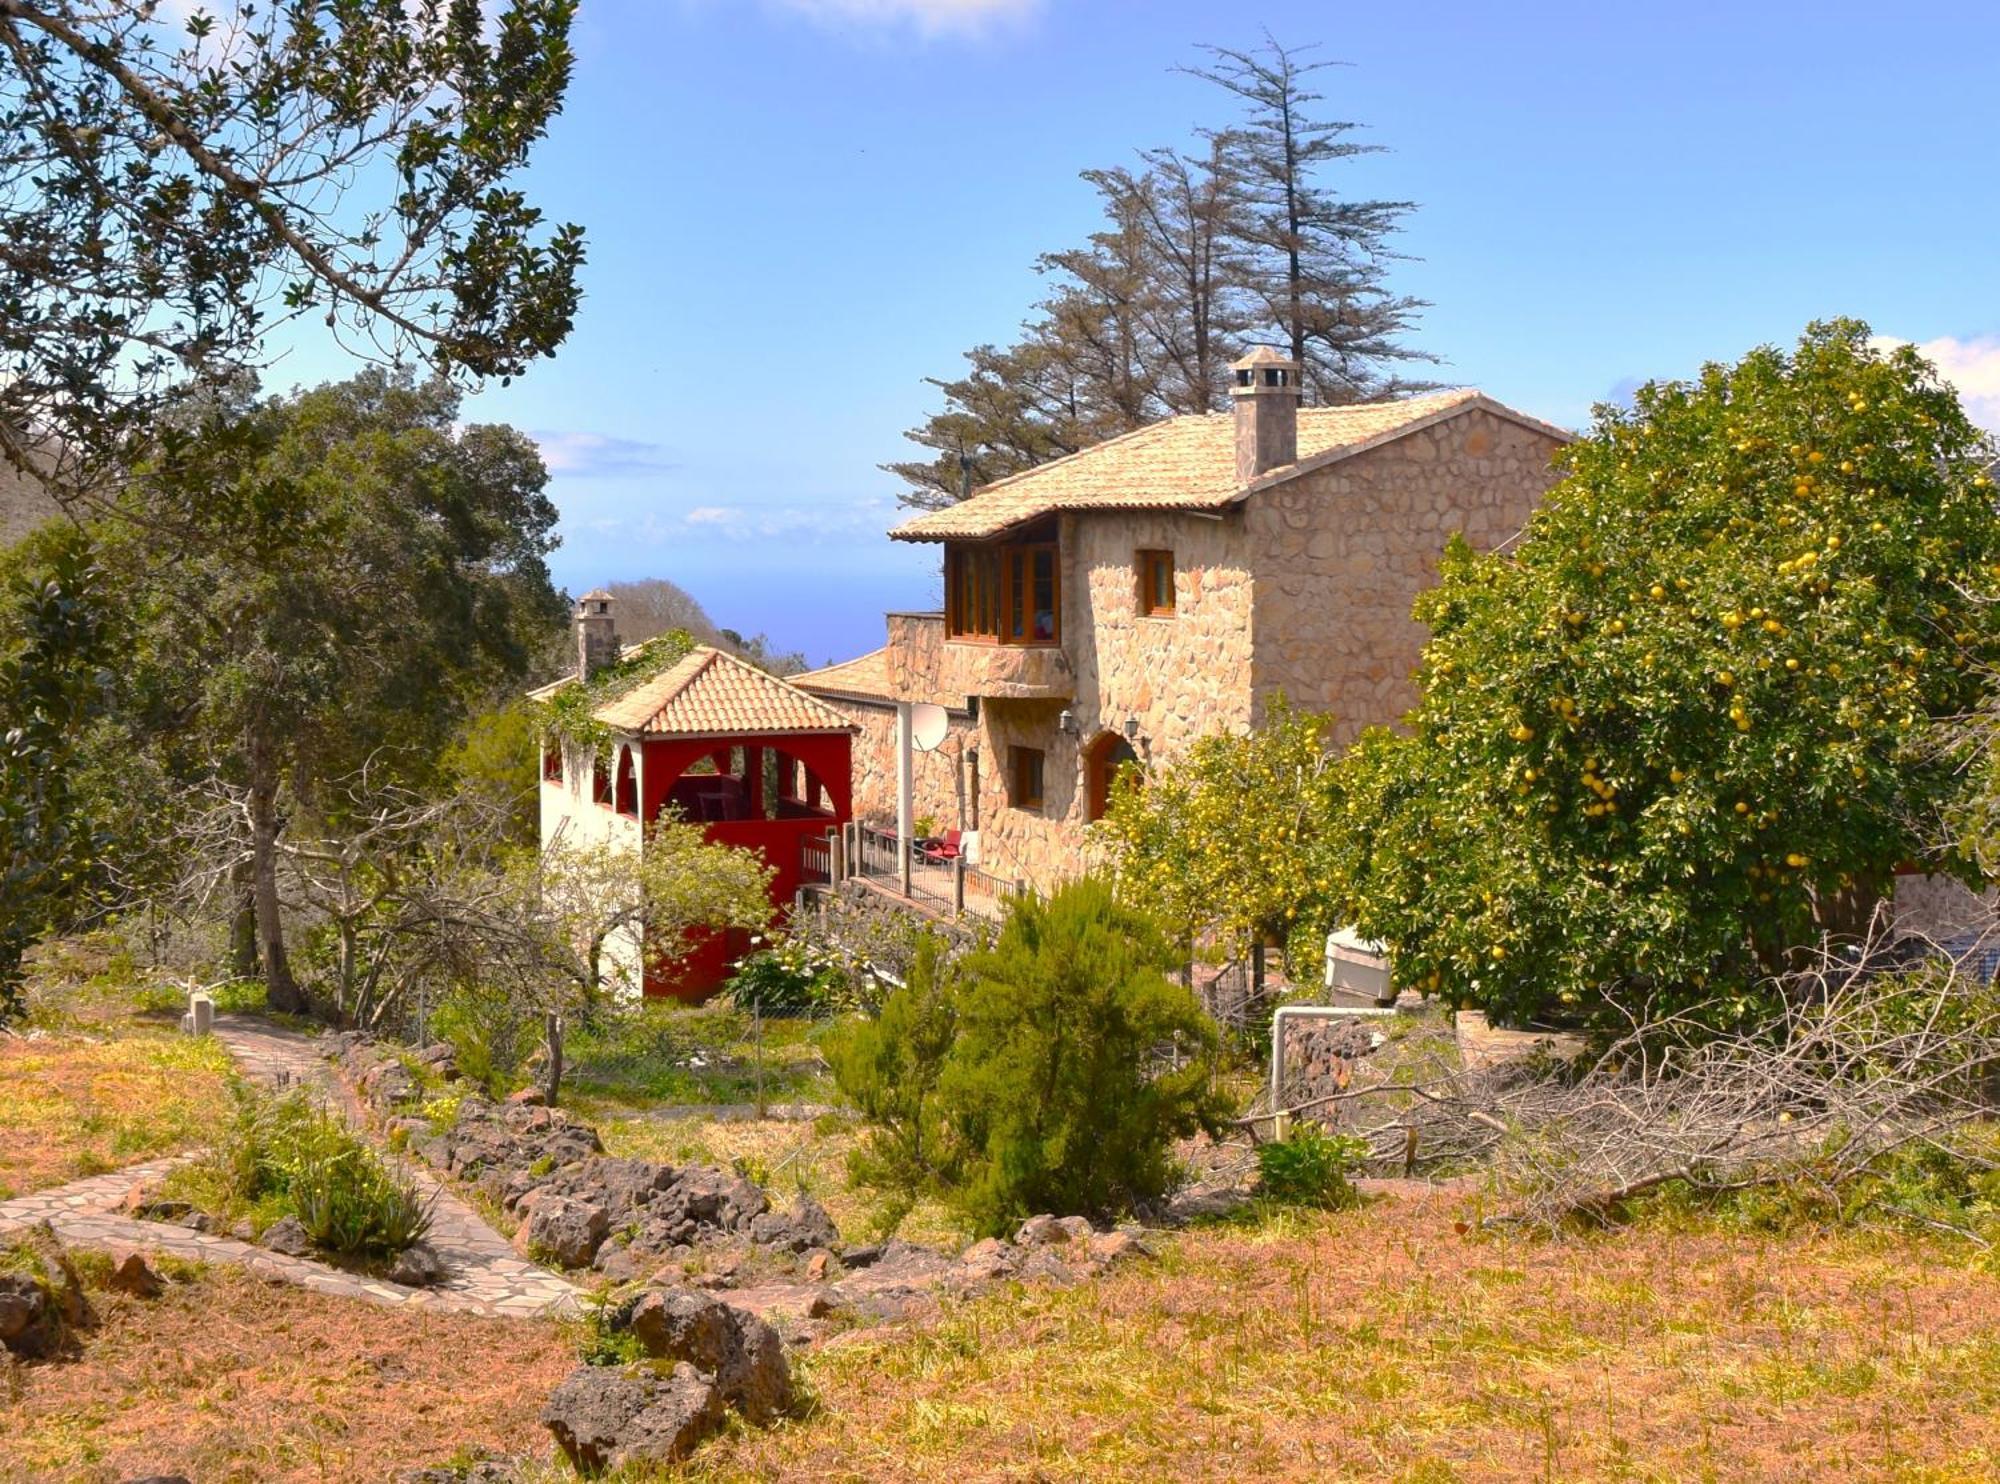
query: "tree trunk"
243, 961
553, 1028
281, 990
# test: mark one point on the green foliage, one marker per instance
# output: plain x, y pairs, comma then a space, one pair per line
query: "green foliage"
496, 758
1049, 1073
1246, 237
55, 639
568, 713
662, 1052
890, 1068
1692, 718
1221, 845
163, 213
1921, 1189
604, 1337
1310, 1167
288, 1156
789, 978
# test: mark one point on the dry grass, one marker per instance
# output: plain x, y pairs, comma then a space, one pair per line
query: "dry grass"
80, 1104
228, 1379
1382, 1344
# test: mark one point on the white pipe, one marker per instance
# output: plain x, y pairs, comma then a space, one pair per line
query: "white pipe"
905, 809
1304, 1012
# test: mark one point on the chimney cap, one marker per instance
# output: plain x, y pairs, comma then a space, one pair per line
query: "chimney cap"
1263, 355
1263, 371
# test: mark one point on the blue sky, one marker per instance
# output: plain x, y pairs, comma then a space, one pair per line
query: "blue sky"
798, 209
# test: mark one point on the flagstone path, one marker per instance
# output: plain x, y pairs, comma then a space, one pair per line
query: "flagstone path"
484, 1274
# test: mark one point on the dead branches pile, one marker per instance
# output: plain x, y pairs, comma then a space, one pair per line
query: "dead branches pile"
1877, 1050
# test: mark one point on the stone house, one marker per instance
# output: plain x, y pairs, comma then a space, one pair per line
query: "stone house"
1114, 605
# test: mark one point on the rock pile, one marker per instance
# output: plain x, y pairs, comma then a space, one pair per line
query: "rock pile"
704, 1358
1322, 1057
579, 1208
41, 1297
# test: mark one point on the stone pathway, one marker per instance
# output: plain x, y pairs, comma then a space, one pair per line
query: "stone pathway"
484, 1274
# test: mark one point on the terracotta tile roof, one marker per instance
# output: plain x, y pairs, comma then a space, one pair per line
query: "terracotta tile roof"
711, 694
866, 677
1184, 463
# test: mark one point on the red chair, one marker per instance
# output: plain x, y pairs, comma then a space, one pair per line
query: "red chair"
942, 850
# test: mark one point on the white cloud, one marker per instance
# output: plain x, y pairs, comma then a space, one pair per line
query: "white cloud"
594, 455
1973, 366
833, 520
929, 17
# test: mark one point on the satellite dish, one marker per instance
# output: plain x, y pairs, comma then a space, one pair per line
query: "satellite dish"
928, 724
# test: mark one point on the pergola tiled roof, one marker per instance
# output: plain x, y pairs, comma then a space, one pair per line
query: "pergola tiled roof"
866, 676
1186, 463
712, 694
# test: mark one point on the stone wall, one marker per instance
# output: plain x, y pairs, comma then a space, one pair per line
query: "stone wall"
1341, 554
934, 775
1943, 909
1305, 587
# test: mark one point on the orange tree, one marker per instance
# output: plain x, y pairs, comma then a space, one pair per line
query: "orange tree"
1691, 721
1220, 846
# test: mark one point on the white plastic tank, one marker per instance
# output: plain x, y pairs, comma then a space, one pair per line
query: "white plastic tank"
1356, 966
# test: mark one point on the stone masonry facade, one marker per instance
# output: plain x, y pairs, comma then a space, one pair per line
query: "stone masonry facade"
1303, 586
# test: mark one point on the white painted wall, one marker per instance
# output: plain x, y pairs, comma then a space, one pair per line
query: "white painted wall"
570, 815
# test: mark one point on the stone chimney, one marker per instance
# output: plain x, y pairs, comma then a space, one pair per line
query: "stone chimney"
596, 633
1266, 389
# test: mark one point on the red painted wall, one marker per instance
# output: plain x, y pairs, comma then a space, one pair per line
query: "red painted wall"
828, 760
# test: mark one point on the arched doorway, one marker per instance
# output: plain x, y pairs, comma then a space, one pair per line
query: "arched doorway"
1108, 752
628, 784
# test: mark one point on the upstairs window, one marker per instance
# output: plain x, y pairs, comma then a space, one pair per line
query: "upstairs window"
1028, 764
600, 781
552, 762
1005, 593
1156, 584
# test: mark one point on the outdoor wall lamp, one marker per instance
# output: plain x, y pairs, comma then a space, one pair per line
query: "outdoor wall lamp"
1131, 729
1066, 723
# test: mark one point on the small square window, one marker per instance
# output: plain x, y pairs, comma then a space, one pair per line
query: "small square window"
1156, 584
1028, 765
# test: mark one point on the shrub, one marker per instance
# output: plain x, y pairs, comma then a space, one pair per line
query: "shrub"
350, 1203
787, 979
1036, 1076
287, 1156
1310, 1167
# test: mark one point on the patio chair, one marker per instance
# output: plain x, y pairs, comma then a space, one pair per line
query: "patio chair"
941, 850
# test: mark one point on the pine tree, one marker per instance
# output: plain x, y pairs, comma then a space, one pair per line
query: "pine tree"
1316, 261
1201, 253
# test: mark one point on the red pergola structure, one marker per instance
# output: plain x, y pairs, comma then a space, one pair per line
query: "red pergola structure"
754, 761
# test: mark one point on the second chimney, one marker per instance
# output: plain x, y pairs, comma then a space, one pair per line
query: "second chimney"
596, 633
1265, 386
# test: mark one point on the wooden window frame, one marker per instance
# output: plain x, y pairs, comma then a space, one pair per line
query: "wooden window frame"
1027, 773
990, 590
1150, 563
552, 761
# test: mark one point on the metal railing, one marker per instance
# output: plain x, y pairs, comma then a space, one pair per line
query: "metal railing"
953, 887
816, 860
